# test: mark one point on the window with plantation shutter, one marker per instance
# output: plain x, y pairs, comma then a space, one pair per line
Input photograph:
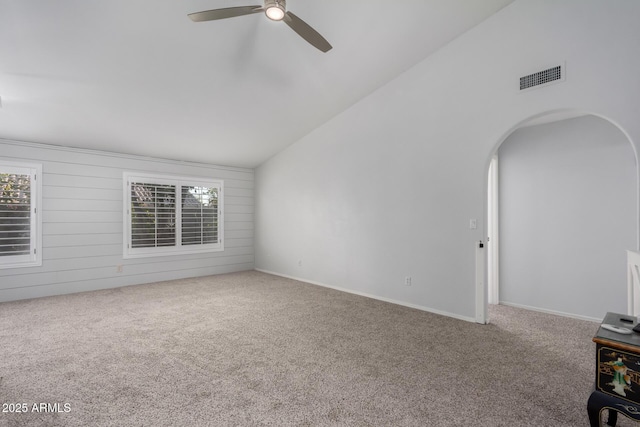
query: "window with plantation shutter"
167, 215
153, 215
199, 215
20, 228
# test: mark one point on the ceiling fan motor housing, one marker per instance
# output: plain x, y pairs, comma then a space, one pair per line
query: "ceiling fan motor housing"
275, 9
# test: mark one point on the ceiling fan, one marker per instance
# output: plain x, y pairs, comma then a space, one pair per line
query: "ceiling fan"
276, 11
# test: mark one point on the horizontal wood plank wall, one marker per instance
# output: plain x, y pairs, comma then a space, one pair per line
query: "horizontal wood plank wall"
83, 223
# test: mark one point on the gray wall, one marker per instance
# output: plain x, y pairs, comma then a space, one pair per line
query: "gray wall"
83, 222
386, 189
567, 217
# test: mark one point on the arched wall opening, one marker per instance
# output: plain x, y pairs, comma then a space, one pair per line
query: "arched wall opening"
567, 212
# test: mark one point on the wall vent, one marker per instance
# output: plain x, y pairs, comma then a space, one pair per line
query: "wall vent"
542, 77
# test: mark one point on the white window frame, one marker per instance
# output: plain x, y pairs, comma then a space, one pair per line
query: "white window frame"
34, 258
179, 182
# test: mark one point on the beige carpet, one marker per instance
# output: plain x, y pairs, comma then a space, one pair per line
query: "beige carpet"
251, 349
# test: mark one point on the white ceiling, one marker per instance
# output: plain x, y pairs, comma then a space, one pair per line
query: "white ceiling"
140, 77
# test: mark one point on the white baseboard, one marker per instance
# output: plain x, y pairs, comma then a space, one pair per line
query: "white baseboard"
376, 297
557, 313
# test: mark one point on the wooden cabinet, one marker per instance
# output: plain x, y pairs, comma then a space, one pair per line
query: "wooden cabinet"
617, 382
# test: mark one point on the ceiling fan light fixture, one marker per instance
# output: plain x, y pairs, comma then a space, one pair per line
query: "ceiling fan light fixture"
275, 9
275, 13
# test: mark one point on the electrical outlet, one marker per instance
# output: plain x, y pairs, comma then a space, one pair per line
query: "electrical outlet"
118, 269
473, 224
407, 281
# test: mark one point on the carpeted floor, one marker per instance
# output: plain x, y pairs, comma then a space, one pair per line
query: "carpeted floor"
252, 349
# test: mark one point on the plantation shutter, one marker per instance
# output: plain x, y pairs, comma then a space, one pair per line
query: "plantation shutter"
15, 214
199, 215
166, 215
153, 215
20, 221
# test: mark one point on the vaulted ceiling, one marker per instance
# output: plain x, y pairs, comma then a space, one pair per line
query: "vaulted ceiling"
140, 77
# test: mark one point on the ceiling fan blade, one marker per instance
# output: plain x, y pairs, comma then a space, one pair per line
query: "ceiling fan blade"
306, 32
227, 12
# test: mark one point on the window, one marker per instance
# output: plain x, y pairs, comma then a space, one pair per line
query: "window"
167, 215
20, 224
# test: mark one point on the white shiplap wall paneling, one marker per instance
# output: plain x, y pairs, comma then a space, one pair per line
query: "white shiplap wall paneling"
82, 223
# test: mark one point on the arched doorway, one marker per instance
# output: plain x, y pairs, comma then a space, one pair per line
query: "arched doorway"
567, 213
